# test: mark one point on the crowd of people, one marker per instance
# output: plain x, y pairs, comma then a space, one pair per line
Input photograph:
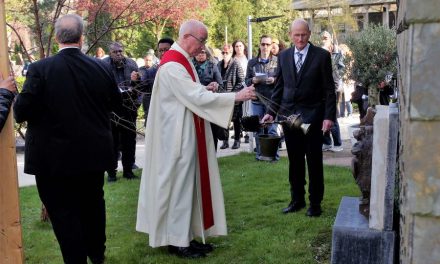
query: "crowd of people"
83, 110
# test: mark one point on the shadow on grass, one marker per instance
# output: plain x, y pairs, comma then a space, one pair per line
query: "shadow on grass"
254, 192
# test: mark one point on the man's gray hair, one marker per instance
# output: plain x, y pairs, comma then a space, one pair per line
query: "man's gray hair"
69, 29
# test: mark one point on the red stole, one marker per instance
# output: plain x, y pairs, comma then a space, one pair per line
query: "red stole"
208, 215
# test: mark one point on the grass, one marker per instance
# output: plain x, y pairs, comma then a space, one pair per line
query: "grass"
255, 192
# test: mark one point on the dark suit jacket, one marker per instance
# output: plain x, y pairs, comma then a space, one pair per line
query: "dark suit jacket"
67, 100
311, 92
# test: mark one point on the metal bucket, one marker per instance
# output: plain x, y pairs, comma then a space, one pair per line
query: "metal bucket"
268, 146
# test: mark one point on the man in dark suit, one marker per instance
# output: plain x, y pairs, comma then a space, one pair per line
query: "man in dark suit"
67, 100
124, 119
304, 86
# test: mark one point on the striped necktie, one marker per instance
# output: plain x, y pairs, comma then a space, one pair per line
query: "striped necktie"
299, 63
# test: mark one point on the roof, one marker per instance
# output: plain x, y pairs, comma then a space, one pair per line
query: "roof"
319, 4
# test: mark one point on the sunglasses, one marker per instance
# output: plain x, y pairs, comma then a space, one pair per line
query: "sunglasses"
225, 52
265, 44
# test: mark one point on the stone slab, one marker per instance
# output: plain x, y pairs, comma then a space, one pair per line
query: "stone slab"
383, 167
354, 243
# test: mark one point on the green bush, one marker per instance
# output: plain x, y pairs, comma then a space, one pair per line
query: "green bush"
374, 55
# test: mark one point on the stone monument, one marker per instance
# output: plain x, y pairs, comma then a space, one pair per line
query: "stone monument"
354, 240
361, 163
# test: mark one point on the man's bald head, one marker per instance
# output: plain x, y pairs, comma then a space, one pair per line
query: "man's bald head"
192, 26
300, 33
299, 22
69, 29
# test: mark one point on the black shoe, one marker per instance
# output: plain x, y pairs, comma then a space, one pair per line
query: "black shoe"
134, 166
236, 145
225, 145
97, 260
200, 247
128, 175
294, 207
185, 252
111, 176
314, 211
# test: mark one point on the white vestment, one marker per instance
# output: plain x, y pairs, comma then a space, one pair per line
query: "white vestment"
169, 207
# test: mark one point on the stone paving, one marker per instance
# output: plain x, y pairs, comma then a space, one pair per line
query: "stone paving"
342, 158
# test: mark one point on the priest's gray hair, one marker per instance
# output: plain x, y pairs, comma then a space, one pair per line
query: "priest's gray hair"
69, 29
190, 27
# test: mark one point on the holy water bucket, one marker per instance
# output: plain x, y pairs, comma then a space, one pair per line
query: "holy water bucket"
268, 146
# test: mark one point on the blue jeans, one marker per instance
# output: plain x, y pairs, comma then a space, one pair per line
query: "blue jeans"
336, 135
260, 110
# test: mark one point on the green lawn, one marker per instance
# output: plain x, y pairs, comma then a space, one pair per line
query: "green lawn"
255, 192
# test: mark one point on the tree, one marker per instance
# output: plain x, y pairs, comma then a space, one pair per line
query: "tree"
234, 15
108, 16
104, 17
374, 57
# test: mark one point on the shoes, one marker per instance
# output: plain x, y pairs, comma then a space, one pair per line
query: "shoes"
314, 211
111, 176
236, 145
225, 145
336, 148
134, 166
294, 207
186, 252
128, 175
326, 147
200, 247
97, 260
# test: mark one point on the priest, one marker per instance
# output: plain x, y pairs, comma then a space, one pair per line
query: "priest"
180, 195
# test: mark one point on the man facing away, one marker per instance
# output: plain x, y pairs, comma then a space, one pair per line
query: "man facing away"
180, 195
67, 100
304, 86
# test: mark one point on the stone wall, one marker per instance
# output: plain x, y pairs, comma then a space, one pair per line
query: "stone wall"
419, 165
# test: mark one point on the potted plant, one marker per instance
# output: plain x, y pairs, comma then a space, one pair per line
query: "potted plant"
374, 57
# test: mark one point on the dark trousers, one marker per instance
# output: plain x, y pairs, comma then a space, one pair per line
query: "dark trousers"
237, 128
76, 207
124, 138
299, 148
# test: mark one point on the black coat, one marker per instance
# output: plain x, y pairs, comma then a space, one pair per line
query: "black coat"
311, 92
67, 100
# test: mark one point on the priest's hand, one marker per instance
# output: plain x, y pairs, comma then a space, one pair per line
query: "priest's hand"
213, 86
245, 94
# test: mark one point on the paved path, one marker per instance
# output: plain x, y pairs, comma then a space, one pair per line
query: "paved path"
342, 158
